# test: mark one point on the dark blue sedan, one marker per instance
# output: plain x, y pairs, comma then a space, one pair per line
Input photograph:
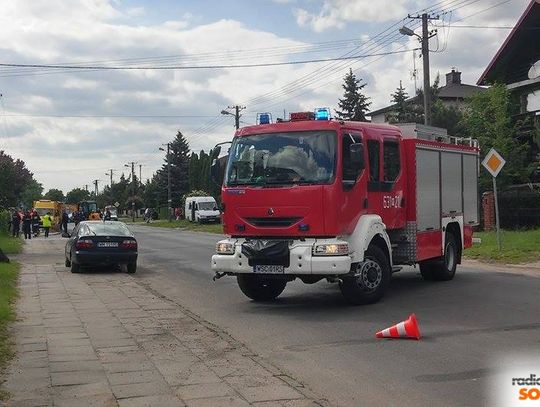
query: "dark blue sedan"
96, 243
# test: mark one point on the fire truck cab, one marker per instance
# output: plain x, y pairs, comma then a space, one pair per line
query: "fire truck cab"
348, 202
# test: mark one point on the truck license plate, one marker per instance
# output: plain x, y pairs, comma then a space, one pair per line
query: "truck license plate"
268, 269
107, 244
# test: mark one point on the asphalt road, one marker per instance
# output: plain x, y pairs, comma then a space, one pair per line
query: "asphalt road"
330, 346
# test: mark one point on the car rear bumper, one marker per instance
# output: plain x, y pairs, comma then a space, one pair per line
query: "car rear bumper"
96, 259
301, 260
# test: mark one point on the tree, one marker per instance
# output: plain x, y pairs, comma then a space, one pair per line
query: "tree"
404, 110
488, 118
77, 195
54, 195
448, 117
354, 104
32, 192
179, 162
13, 180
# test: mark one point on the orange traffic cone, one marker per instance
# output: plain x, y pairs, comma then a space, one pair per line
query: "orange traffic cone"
405, 329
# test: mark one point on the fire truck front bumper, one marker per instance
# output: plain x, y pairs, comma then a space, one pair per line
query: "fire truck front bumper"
288, 257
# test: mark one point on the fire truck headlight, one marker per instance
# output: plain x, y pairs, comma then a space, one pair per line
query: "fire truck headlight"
224, 247
333, 249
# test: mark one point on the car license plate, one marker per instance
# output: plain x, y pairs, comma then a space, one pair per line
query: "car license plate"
268, 269
107, 244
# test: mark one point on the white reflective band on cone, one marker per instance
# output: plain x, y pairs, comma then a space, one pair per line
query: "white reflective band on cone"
386, 333
401, 329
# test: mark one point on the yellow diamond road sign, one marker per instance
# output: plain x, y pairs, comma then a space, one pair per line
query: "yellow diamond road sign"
493, 162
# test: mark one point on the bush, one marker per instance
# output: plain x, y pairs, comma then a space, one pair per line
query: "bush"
5, 219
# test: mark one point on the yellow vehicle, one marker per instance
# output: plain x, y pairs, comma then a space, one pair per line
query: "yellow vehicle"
44, 206
89, 210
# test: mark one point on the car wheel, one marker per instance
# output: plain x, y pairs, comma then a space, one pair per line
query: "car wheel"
67, 262
132, 268
369, 279
260, 288
75, 268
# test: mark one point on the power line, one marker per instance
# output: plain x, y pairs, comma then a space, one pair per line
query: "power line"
183, 67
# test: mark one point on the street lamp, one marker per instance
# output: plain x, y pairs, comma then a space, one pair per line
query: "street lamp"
424, 40
407, 31
236, 114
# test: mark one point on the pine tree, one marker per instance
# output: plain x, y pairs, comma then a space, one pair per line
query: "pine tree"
404, 110
179, 161
354, 104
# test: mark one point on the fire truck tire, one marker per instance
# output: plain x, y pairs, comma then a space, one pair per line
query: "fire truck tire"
259, 288
443, 269
369, 279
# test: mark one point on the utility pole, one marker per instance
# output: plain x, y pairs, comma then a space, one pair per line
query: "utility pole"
424, 39
140, 174
236, 114
132, 164
110, 173
95, 182
86, 187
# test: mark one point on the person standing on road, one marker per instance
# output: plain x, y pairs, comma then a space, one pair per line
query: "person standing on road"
47, 222
15, 223
35, 222
64, 222
27, 225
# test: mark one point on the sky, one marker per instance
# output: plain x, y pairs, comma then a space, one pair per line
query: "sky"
73, 126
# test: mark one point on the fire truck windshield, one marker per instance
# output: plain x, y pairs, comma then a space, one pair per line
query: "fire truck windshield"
306, 157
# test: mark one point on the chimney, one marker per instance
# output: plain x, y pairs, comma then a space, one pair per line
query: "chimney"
453, 77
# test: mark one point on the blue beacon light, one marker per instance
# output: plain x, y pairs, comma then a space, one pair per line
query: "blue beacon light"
264, 118
322, 113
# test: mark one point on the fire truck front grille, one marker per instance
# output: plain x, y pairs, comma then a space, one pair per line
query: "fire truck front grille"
272, 222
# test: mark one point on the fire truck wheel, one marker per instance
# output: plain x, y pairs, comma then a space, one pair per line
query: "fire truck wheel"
443, 269
259, 288
369, 279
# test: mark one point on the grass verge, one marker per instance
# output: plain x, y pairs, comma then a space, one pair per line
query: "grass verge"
10, 245
182, 224
517, 247
8, 291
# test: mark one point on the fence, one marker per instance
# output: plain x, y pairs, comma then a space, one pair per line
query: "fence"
518, 209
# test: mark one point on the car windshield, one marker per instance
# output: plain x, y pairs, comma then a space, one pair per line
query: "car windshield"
110, 229
282, 158
206, 206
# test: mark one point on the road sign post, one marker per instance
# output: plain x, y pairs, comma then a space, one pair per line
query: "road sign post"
493, 162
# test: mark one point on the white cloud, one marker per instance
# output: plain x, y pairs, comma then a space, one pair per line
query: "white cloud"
336, 13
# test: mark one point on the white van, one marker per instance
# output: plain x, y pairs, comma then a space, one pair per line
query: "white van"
202, 209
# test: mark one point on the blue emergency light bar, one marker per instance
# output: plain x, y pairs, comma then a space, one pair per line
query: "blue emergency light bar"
322, 113
264, 118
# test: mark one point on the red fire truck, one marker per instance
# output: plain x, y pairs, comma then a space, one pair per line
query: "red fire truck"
349, 202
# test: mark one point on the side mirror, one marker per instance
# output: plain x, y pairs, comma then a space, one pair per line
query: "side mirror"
356, 151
